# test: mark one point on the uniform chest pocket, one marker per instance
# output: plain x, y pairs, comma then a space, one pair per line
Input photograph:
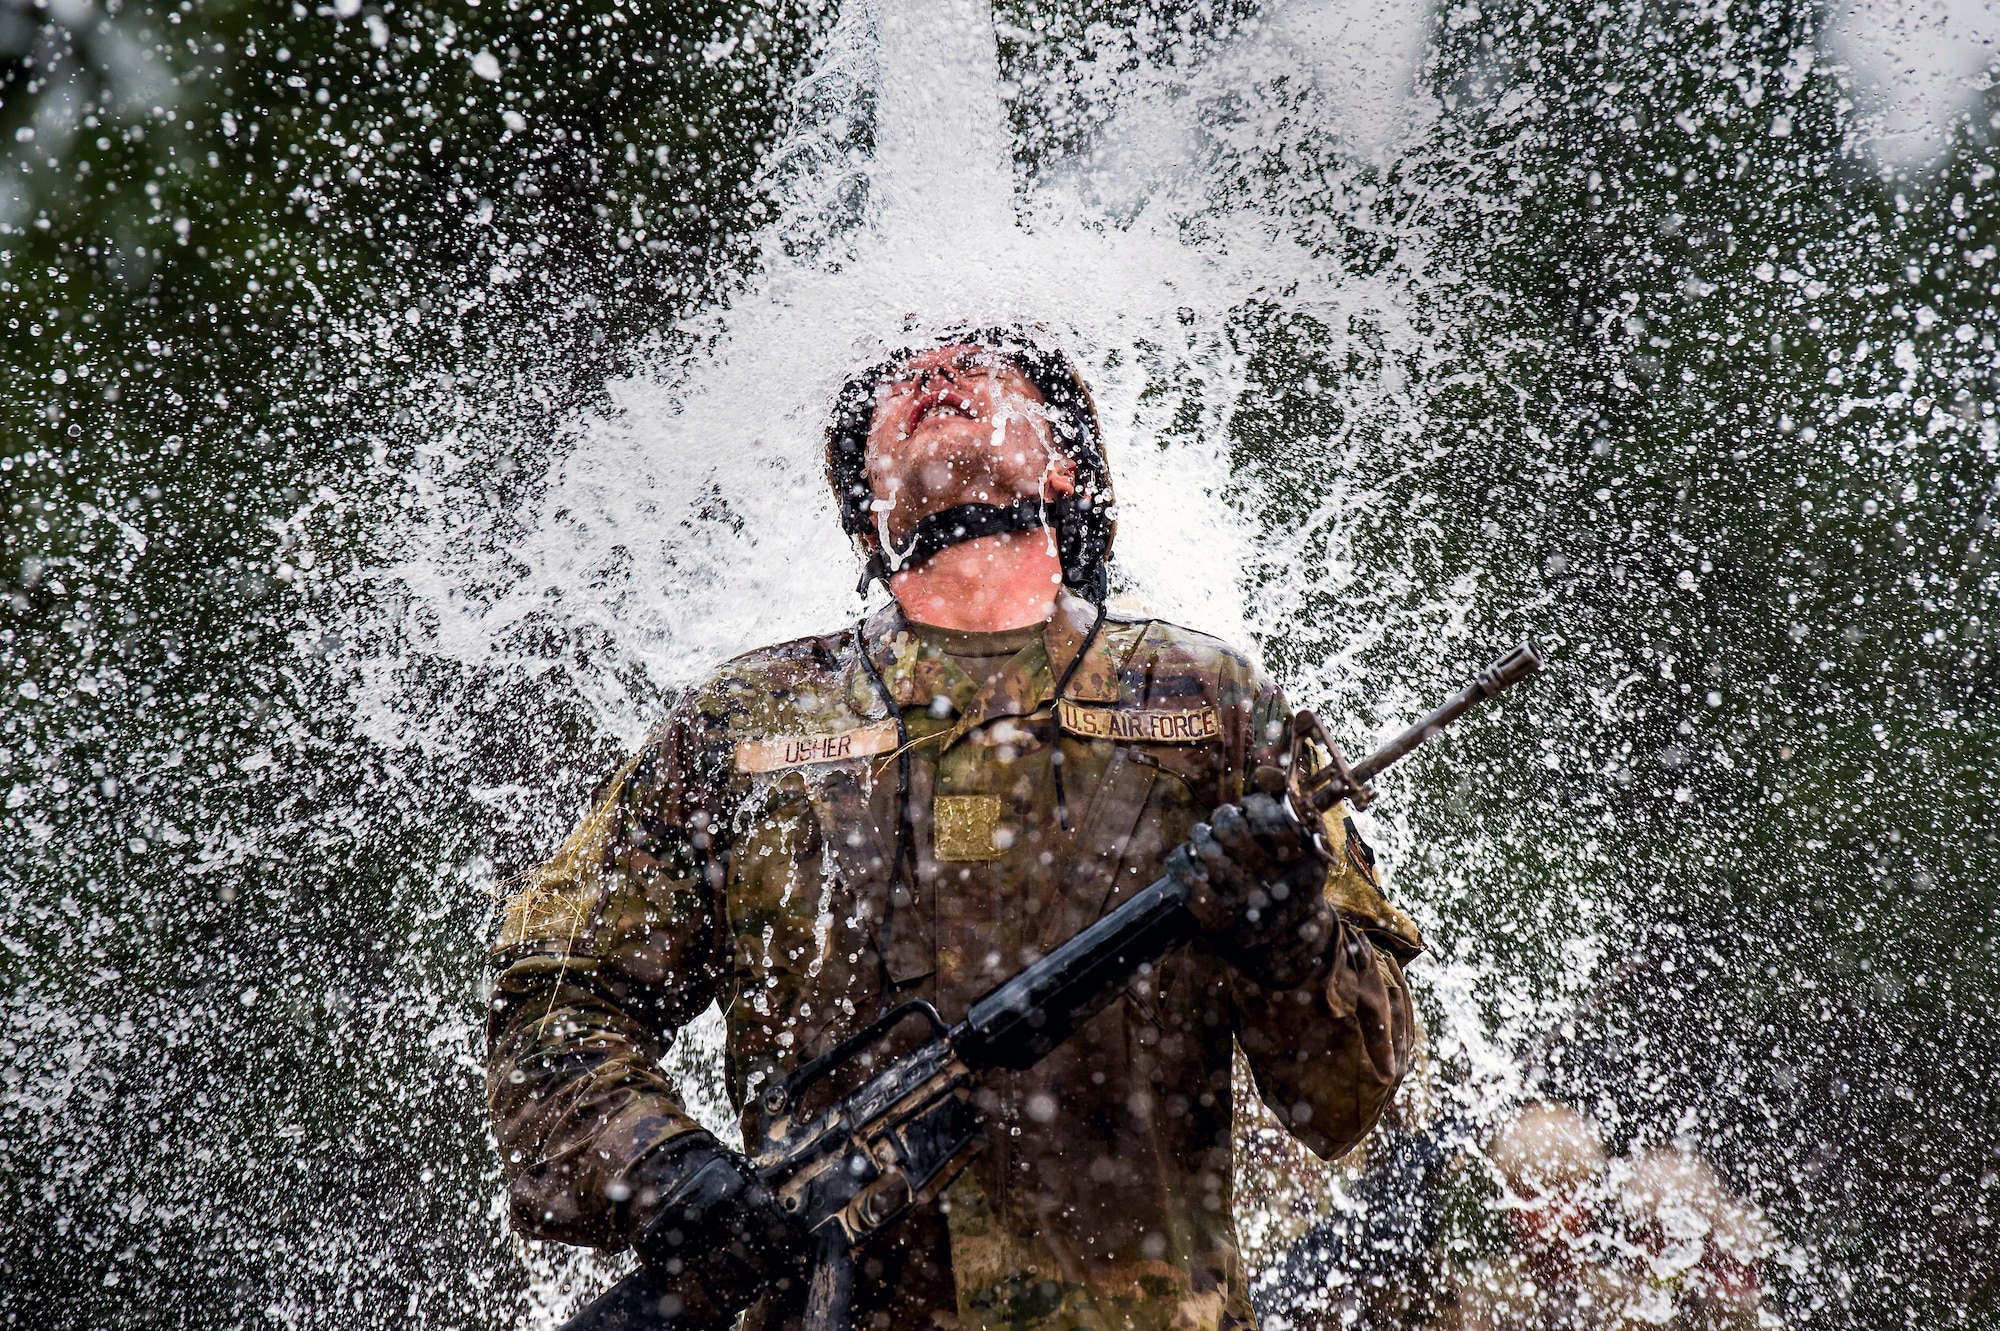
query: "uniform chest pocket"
1191, 779
798, 906
832, 822
857, 818
773, 874
1104, 840
1143, 806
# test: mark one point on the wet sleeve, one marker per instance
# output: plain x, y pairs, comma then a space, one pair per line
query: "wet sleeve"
603, 955
1328, 1056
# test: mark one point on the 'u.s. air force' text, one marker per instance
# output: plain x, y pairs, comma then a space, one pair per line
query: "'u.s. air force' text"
1174, 726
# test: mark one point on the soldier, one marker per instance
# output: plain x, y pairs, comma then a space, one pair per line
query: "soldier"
1696, 1248
1430, 1240
917, 806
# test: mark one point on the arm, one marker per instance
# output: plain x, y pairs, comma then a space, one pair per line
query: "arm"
1328, 1056
608, 950
1328, 1051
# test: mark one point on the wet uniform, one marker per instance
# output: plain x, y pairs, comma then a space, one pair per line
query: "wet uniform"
836, 824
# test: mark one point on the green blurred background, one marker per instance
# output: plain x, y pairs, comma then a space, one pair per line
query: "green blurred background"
1732, 451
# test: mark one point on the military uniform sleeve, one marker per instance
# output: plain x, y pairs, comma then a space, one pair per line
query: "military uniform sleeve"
608, 950
1329, 1055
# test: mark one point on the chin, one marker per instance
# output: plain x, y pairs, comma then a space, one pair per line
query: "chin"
976, 464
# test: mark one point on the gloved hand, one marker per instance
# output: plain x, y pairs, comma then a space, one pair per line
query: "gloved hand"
719, 1239
1257, 887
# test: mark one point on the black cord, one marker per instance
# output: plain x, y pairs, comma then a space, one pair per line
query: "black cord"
1055, 744
902, 805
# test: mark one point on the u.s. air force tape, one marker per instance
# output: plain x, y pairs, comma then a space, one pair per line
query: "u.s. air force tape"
1189, 725
779, 752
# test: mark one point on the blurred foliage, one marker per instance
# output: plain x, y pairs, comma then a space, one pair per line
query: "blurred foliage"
1789, 445
1725, 440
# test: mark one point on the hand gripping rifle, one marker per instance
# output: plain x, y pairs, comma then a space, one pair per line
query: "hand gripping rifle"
851, 1170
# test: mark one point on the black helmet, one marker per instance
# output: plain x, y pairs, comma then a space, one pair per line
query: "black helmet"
1084, 522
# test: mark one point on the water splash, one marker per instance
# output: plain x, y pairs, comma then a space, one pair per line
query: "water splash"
691, 520
1618, 330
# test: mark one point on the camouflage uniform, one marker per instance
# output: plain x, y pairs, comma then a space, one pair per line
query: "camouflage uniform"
834, 824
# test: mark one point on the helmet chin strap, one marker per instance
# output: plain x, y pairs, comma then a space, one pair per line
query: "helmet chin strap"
959, 524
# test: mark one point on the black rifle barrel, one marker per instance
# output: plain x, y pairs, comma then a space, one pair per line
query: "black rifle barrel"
1503, 674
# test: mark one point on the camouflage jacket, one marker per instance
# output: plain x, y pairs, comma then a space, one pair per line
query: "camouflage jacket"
835, 824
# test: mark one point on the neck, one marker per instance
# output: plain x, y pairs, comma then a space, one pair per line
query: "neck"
986, 585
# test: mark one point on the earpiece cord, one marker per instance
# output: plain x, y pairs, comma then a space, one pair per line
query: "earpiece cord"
1055, 746
902, 805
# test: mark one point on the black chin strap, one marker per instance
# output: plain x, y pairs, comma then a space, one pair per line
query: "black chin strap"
966, 522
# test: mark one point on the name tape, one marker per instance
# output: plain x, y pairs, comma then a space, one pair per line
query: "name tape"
1176, 726
779, 752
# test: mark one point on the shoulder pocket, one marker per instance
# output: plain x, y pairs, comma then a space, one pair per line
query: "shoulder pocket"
557, 902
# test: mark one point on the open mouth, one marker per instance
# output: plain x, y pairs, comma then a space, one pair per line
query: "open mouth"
942, 402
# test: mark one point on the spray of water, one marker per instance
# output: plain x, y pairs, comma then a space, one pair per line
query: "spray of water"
691, 519
1415, 330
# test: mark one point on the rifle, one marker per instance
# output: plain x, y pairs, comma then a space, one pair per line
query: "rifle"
849, 1171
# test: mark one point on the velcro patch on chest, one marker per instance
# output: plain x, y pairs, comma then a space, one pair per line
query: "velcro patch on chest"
779, 753
965, 827
1178, 725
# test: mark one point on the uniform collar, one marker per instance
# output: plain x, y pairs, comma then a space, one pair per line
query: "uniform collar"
1074, 628
917, 674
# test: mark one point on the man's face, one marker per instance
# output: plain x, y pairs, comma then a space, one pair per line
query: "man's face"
960, 425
